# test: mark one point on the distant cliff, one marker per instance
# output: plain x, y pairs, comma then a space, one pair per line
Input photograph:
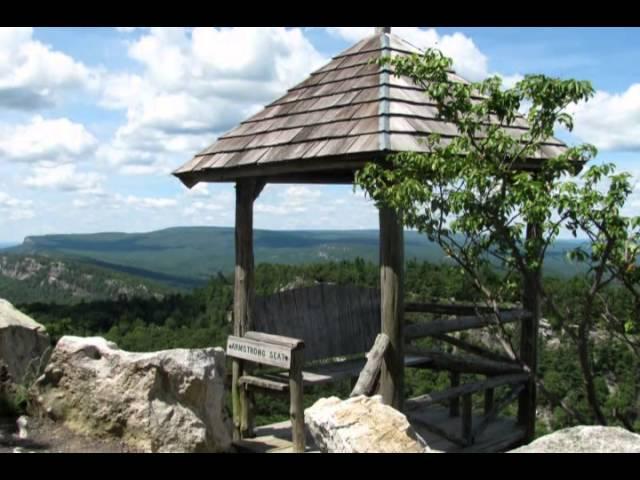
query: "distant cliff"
35, 278
186, 257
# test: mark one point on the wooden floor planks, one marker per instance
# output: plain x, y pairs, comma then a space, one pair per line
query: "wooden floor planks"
500, 435
274, 438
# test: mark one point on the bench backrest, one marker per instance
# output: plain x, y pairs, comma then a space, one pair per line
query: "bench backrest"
333, 320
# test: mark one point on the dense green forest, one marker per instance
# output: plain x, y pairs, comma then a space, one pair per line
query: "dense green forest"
202, 318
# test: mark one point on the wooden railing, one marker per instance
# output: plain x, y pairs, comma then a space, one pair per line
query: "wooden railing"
500, 370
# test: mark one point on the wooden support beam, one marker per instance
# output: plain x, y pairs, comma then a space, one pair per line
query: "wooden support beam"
449, 309
476, 350
243, 297
289, 342
441, 432
467, 418
445, 395
263, 382
488, 400
246, 409
445, 325
531, 301
463, 363
493, 412
367, 380
454, 403
296, 408
391, 306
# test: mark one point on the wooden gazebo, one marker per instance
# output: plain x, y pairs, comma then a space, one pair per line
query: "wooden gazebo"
322, 131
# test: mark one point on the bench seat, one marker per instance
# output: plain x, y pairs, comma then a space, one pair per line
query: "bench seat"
321, 374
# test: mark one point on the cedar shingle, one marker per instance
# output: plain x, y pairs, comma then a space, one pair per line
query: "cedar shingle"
337, 111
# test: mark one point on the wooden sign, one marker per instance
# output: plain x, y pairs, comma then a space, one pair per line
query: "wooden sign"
259, 352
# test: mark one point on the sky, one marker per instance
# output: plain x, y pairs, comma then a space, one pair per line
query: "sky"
93, 120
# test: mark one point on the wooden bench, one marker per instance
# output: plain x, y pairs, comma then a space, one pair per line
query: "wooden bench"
311, 336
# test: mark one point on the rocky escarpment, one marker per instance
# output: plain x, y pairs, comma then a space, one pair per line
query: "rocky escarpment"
35, 278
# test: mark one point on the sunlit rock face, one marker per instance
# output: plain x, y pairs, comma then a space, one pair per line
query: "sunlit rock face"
361, 425
167, 401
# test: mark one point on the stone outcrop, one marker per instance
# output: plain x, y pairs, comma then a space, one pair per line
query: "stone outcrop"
23, 342
167, 401
585, 439
361, 425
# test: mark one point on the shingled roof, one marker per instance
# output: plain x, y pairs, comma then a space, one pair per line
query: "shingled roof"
344, 114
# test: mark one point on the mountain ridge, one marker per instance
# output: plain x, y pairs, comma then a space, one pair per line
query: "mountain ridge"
185, 257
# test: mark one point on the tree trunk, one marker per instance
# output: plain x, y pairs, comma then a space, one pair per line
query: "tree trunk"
531, 301
586, 364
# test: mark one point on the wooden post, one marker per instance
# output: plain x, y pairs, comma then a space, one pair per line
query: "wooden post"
454, 403
467, 417
296, 408
243, 298
488, 400
531, 301
391, 306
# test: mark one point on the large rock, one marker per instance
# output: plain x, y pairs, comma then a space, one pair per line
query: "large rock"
23, 342
585, 439
167, 401
361, 425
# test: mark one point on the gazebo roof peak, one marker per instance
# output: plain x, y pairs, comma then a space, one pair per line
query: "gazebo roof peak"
346, 113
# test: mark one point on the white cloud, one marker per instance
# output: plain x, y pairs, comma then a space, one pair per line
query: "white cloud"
213, 207
121, 90
317, 207
55, 141
15, 209
352, 34
200, 190
272, 209
146, 202
65, 178
33, 75
468, 60
300, 197
293, 199
509, 81
199, 207
610, 121
196, 84
118, 201
83, 202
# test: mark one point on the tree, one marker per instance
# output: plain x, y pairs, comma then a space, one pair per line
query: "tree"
487, 200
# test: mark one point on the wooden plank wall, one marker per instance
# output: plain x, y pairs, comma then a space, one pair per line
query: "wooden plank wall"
333, 320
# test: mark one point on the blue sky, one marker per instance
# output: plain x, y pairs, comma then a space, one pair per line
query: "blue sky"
93, 120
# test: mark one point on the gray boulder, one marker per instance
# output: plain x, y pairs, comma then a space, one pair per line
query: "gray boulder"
585, 439
167, 401
23, 342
